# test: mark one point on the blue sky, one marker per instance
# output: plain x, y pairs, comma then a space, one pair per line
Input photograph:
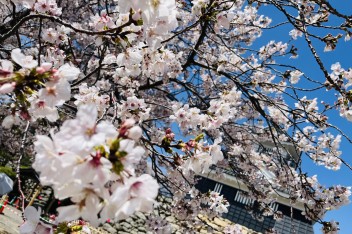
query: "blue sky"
306, 63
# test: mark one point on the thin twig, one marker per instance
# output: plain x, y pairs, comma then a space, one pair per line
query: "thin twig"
24, 138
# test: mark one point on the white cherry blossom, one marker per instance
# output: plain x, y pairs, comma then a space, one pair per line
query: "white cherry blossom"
83, 133
24, 61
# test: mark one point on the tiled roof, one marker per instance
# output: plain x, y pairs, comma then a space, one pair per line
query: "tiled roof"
136, 224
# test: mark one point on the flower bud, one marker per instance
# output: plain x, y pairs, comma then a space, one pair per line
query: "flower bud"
46, 66
137, 15
7, 88
128, 123
40, 70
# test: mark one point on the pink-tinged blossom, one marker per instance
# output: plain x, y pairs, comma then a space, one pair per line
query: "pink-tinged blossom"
95, 168
104, 85
331, 227
62, 33
55, 56
47, 7
198, 5
55, 93
223, 21
50, 35
102, 22
40, 109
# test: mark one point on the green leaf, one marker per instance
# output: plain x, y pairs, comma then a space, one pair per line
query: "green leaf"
199, 137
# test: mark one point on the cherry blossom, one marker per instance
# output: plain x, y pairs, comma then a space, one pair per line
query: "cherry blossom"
33, 223
125, 97
24, 61
83, 133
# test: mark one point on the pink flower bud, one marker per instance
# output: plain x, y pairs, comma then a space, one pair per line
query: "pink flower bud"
40, 70
55, 75
25, 115
136, 16
170, 136
191, 143
128, 123
46, 66
81, 222
123, 131
7, 88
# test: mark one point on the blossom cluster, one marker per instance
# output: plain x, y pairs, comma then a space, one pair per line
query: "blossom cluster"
218, 203
55, 88
93, 164
47, 6
159, 17
88, 79
39, 6
220, 111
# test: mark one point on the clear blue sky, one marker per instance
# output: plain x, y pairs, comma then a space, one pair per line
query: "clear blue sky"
305, 61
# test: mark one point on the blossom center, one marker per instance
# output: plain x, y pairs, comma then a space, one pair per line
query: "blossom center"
136, 186
41, 104
155, 3
90, 131
51, 91
96, 159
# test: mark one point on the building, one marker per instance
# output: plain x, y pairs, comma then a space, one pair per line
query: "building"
242, 209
